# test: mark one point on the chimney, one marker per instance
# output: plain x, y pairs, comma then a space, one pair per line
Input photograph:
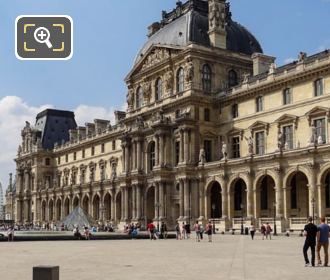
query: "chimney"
218, 10
261, 63
153, 28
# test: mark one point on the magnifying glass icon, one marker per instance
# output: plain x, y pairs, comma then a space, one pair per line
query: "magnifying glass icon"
42, 35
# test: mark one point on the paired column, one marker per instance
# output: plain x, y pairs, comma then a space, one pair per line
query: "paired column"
224, 199
312, 197
201, 199
157, 201
134, 156
162, 200
279, 193
113, 205
139, 155
181, 146
138, 202
134, 187
181, 199
187, 209
126, 201
186, 146
249, 198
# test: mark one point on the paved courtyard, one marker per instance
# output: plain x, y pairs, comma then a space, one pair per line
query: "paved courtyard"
228, 257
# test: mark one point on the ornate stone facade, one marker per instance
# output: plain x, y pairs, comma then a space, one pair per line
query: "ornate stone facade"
209, 133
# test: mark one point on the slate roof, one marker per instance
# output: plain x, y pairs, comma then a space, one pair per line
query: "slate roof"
192, 27
54, 126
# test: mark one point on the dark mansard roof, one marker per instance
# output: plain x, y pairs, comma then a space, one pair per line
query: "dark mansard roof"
189, 24
54, 126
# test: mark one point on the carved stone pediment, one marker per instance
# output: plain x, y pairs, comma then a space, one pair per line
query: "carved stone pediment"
155, 56
318, 111
287, 118
259, 125
236, 131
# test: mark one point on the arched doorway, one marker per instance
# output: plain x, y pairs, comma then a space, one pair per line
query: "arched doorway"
85, 204
215, 201
51, 210
96, 208
107, 207
43, 211
118, 207
75, 202
66, 207
299, 196
58, 209
265, 197
239, 199
150, 204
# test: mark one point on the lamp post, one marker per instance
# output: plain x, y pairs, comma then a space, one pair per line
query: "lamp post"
275, 230
158, 205
242, 227
313, 208
213, 210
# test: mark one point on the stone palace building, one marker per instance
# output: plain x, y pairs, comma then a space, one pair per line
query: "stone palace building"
213, 130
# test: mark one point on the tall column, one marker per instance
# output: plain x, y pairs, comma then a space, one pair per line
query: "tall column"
157, 150
279, 193
113, 206
122, 216
156, 200
161, 149
249, 197
124, 157
139, 155
224, 198
287, 202
181, 146
312, 192
138, 202
186, 146
126, 203
162, 200
127, 159
321, 200
26, 180
134, 165
201, 199
186, 199
134, 201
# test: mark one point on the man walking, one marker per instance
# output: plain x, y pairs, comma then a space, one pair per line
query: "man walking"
323, 233
310, 232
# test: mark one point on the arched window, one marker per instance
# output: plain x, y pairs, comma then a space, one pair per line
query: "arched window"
159, 89
152, 155
232, 78
207, 78
180, 80
139, 98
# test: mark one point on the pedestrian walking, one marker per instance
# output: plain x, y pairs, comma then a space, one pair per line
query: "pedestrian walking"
163, 230
263, 231
10, 233
268, 231
178, 231
201, 232
323, 233
197, 230
188, 230
209, 230
252, 230
310, 232
183, 231
151, 230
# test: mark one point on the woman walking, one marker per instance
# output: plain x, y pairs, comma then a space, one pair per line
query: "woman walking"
209, 230
252, 230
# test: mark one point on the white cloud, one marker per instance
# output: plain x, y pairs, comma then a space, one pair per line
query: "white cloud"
13, 114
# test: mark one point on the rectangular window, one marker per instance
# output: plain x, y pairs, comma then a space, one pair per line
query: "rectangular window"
83, 153
206, 114
236, 147
234, 111
102, 148
259, 104
320, 129
287, 96
318, 87
93, 151
177, 152
59, 160
74, 156
260, 143
288, 136
66, 158
82, 176
208, 150
114, 145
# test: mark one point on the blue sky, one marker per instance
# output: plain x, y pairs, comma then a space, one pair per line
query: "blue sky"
107, 36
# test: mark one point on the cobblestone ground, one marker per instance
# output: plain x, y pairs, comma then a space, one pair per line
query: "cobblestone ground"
228, 257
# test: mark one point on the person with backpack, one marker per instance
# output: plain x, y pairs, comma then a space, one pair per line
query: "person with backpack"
197, 229
209, 230
177, 231
268, 231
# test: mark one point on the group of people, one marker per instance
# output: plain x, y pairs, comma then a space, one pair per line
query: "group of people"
317, 237
156, 232
85, 235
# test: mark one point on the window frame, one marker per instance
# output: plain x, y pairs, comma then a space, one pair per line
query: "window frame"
287, 92
318, 87
257, 144
236, 147
259, 104
158, 89
207, 78
207, 114
324, 120
139, 98
234, 111
291, 144
180, 83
